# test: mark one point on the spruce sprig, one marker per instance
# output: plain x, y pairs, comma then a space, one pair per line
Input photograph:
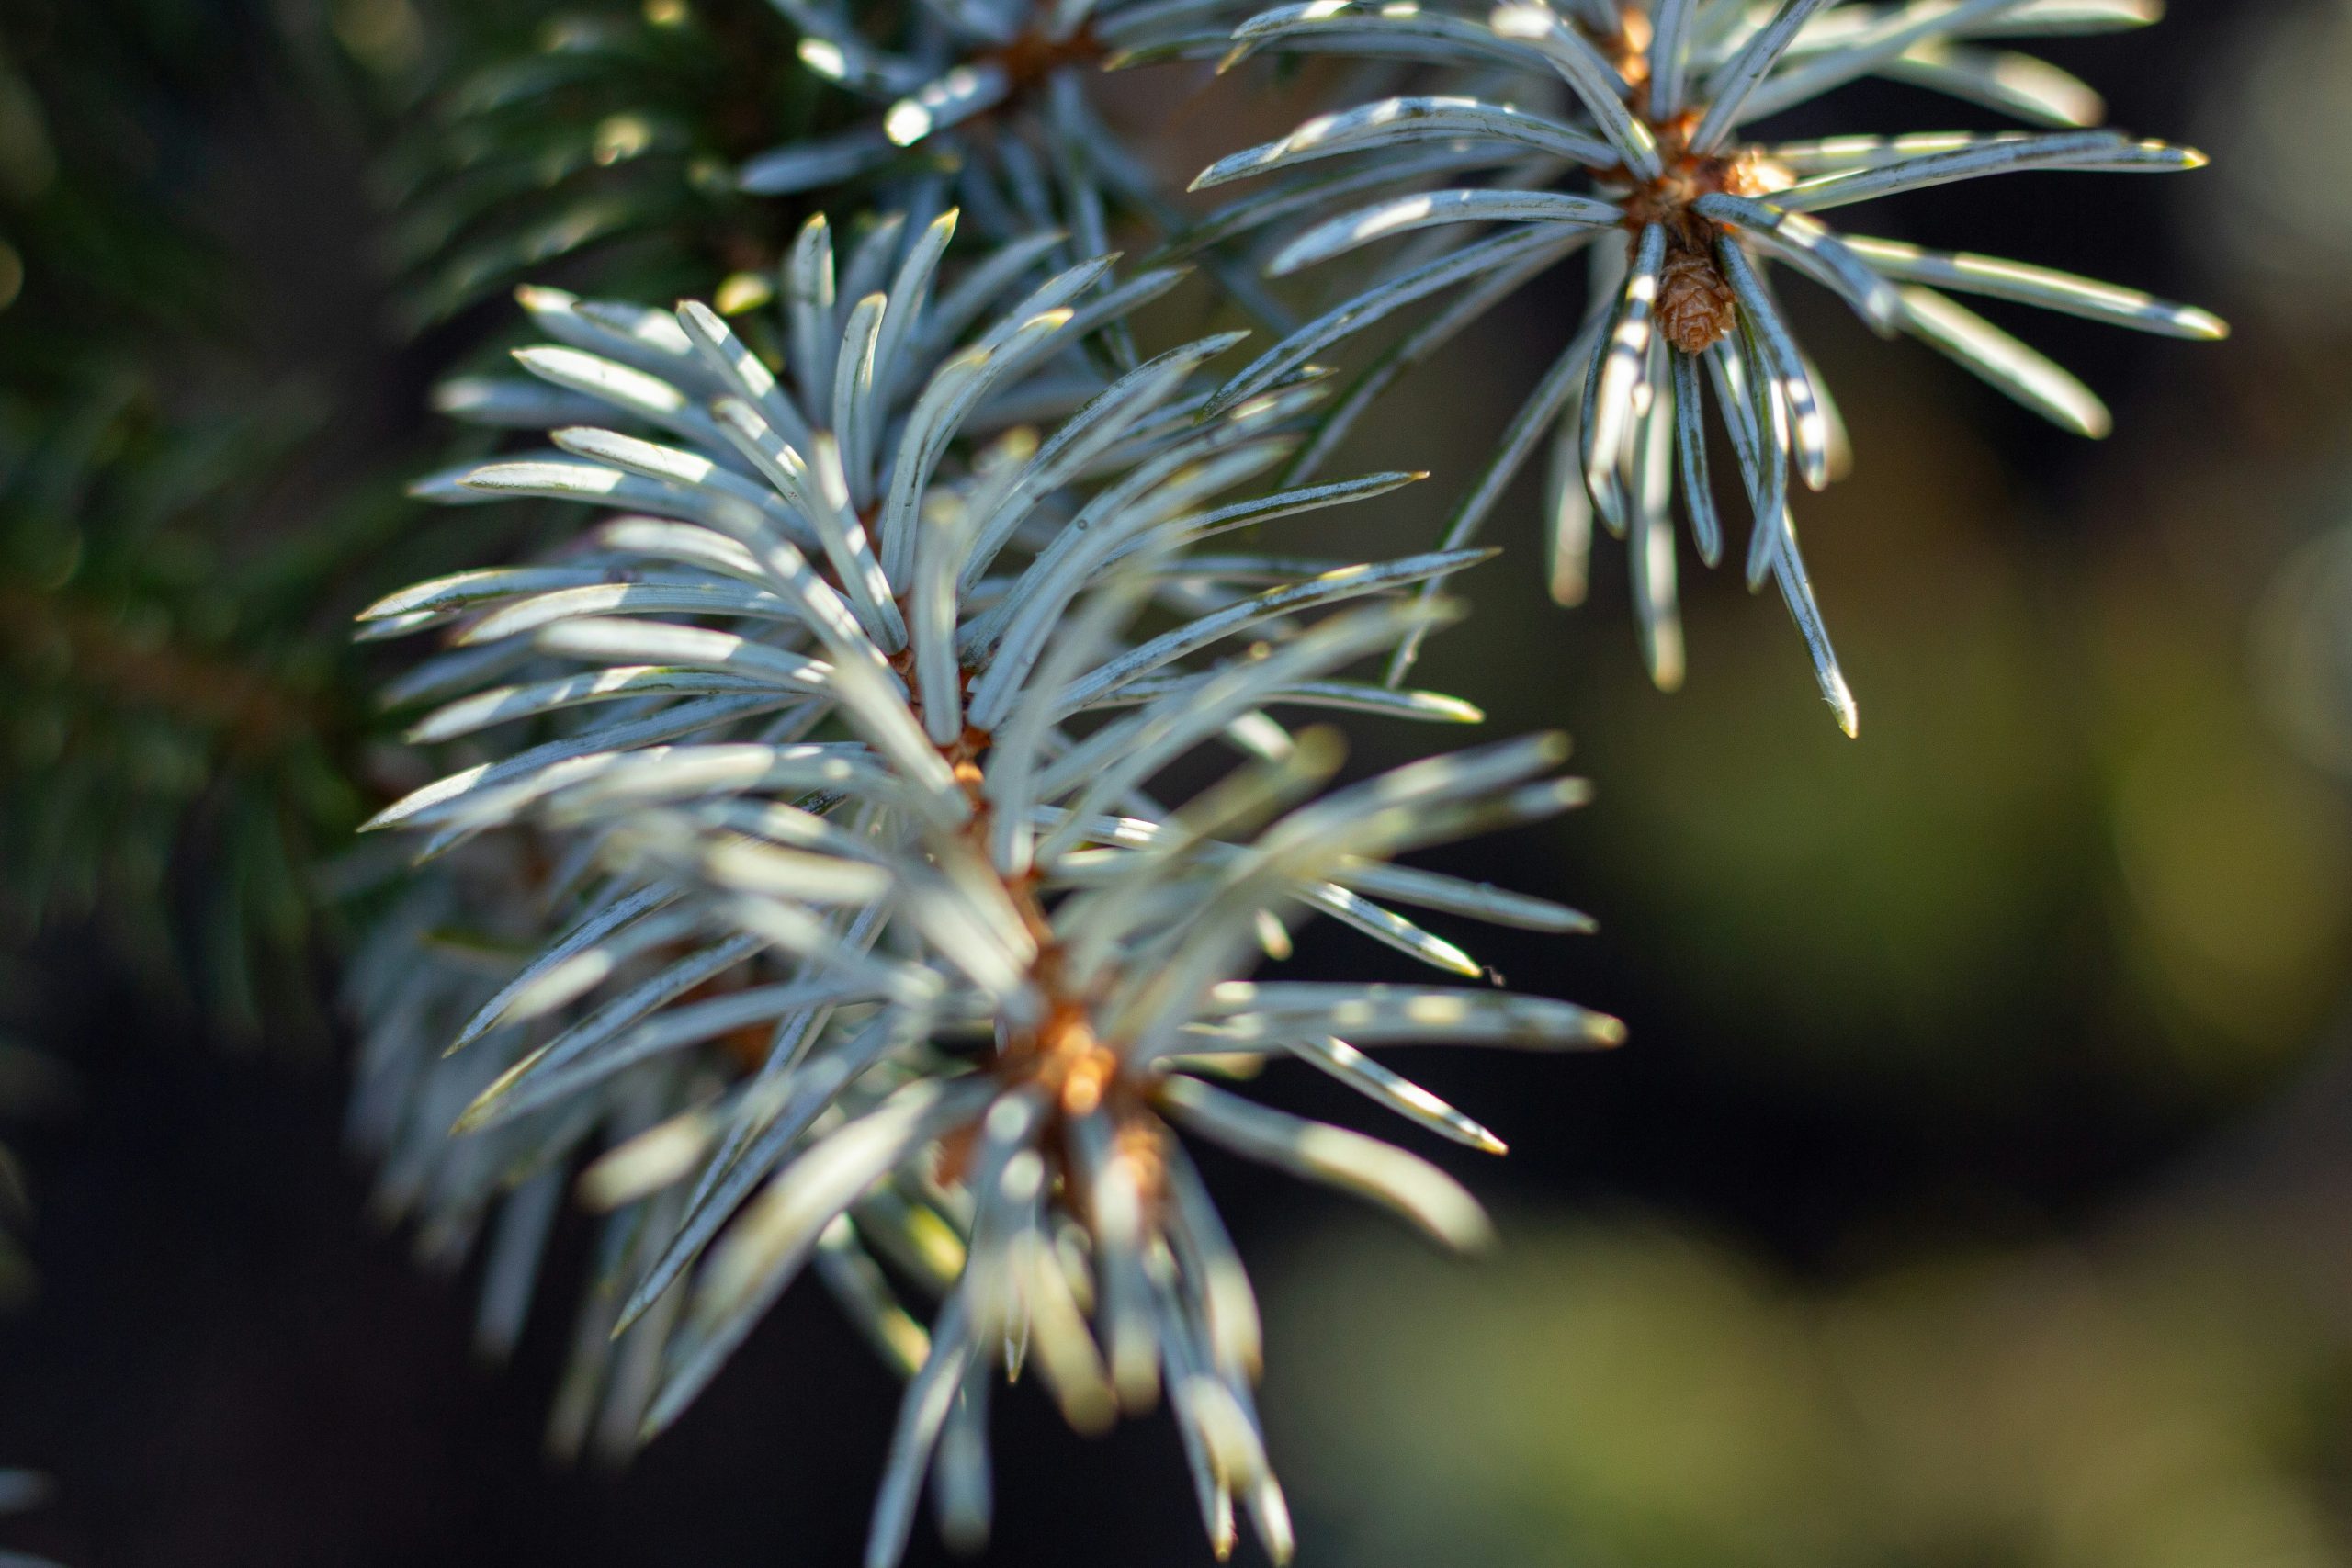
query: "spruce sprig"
880, 950
1641, 161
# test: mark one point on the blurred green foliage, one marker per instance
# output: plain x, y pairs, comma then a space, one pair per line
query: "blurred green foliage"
178, 711
528, 139
168, 773
1641, 1396
201, 455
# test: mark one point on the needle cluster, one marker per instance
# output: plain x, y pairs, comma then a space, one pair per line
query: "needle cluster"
1644, 158
877, 949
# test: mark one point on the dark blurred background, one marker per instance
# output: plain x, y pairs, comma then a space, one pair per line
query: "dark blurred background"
1973, 1192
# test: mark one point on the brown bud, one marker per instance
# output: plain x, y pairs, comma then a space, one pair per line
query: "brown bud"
1695, 306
